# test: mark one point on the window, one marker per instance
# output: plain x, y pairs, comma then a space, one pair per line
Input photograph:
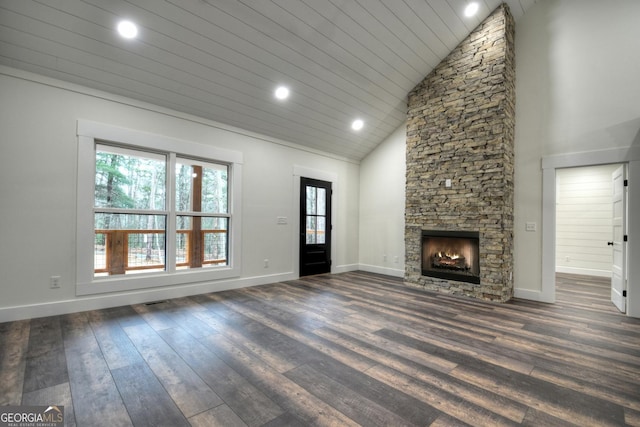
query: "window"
202, 214
130, 216
147, 226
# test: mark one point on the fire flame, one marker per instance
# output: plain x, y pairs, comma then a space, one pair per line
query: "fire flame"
448, 255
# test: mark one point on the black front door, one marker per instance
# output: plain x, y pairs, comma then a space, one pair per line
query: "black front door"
315, 226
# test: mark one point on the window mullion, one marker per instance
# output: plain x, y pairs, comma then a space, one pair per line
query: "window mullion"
170, 241
126, 211
203, 214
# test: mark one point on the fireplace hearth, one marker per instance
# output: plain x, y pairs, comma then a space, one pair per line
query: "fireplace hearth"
451, 255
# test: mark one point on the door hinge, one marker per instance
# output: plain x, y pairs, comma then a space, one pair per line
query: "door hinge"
626, 182
624, 293
625, 238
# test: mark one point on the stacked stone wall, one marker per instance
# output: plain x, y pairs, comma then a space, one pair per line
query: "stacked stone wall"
461, 121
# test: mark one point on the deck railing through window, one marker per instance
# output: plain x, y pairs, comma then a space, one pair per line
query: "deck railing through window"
122, 251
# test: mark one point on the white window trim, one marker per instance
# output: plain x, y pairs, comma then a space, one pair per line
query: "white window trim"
86, 283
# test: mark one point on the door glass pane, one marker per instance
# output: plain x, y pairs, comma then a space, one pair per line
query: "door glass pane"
311, 200
321, 201
311, 230
321, 230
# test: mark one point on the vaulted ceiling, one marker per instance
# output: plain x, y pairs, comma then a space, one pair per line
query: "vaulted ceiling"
222, 59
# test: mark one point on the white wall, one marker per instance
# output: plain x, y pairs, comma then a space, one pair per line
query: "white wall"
38, 162
382, 204
584, 220
577, 91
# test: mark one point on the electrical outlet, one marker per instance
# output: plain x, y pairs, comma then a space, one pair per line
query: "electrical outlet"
54, 282
395, 259
384, 258
266, 263
530, 226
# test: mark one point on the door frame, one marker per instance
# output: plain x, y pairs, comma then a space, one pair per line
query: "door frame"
628, 155
306, 172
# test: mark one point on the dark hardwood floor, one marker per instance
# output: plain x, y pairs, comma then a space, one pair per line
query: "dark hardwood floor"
346, 349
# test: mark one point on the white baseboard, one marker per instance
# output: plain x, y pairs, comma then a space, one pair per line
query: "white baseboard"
382, 270
583, 271
526, 294
533, 295
96, 302
344, 268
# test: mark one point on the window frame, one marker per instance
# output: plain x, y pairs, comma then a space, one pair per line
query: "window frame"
92, 133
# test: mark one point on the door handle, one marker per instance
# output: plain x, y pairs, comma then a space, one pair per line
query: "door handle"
610, 243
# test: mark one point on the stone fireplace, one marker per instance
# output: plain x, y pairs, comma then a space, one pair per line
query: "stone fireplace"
460, 157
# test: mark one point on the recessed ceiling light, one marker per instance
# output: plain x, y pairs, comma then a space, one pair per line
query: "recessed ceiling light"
282, 92
471, 9
127, 29
357, 124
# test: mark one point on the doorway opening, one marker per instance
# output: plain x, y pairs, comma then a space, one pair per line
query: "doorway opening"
585, 217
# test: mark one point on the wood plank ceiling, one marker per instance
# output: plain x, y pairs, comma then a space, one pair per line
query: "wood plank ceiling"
222, 59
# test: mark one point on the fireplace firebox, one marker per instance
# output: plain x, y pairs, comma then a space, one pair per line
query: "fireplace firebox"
452, 255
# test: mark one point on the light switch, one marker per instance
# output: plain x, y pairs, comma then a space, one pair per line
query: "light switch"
447, 183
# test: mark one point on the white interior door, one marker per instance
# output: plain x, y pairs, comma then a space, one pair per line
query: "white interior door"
619, 268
